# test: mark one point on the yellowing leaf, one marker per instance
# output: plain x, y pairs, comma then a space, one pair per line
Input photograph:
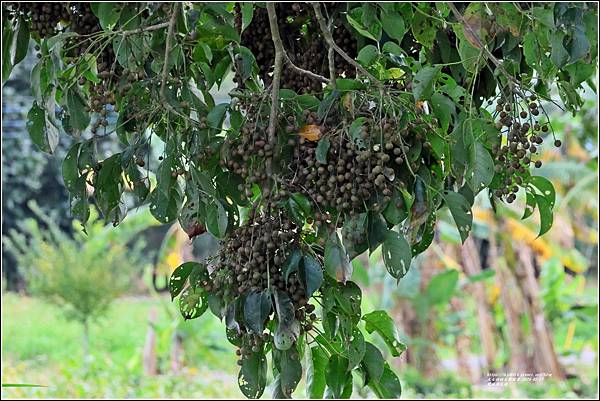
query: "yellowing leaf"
310, 132
394, 73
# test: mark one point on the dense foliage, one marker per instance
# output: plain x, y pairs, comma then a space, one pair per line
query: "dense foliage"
350, 126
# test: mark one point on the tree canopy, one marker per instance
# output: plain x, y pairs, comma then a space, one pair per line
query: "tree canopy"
349, 127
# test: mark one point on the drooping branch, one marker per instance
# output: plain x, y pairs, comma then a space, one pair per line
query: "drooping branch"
279, 51
168, 48
331, 43
144, 29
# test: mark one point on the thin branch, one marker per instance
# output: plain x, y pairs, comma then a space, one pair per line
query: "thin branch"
144, 29
299, 70
329, 39
331, 60
168, 48
279, 51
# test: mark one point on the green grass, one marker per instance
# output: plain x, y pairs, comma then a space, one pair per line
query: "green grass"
41, 347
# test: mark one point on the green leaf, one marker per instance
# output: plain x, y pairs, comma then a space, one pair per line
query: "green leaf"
70, 169
362, 29
481, 169
395, 211
529, 204
372, 363
109, 185
247, 14
257, 308
192, 303
441, 287
288, 328
20, 43
252, 378
393, 25
216, 116
166, 199
356, 349
379, 321
424, 81
337, 376
311, 274
337, 264
108, 14
290, 371
388, 386
216, 219
291, 263
396, 253
545, 187
355, 132
444, 109
79, 118
367, 55
322, 149
315, 373
41, 130
460, 211
559, 54
546, 217
179, 277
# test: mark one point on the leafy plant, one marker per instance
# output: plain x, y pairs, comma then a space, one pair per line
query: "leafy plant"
318, 157
82, 275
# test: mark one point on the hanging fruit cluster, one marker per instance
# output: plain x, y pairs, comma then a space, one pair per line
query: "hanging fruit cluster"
523, 131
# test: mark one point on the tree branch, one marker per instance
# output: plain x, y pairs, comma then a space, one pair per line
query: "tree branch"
329, 39
168, 48
144, 29
279, 51
299, 70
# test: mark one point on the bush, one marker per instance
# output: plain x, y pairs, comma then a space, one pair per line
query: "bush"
81, 274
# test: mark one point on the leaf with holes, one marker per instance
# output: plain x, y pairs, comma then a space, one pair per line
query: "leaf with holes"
380, 322
192, 303
252, 378
460, 211
396, 254
179, 277
288, 328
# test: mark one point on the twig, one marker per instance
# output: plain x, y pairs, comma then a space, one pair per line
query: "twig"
299, 70
168, 47
144, 29
329, 39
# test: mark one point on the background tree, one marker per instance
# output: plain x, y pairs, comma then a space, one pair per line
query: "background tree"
319, 156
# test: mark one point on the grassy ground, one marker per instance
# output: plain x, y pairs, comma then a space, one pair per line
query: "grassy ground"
41, 347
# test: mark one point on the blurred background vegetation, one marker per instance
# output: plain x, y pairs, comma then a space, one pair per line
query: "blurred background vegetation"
87, 316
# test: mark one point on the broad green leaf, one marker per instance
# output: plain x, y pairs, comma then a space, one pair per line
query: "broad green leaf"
70, 169
367, 55
290, 371
257, 308
322, 149
396, 254
337, 375
108, 14
179, 277
546, 217
460, 211
311, 275
545, 187
216, 116
393, 25
79, 118
356, 349
252, 378
41, 130
559, 54
481, 169
372, 363
388, 386
315, 373
441, 287
424, 81
530, 204
291, 263
444, 109
379, 321
288, 328
216, 219
192, 303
